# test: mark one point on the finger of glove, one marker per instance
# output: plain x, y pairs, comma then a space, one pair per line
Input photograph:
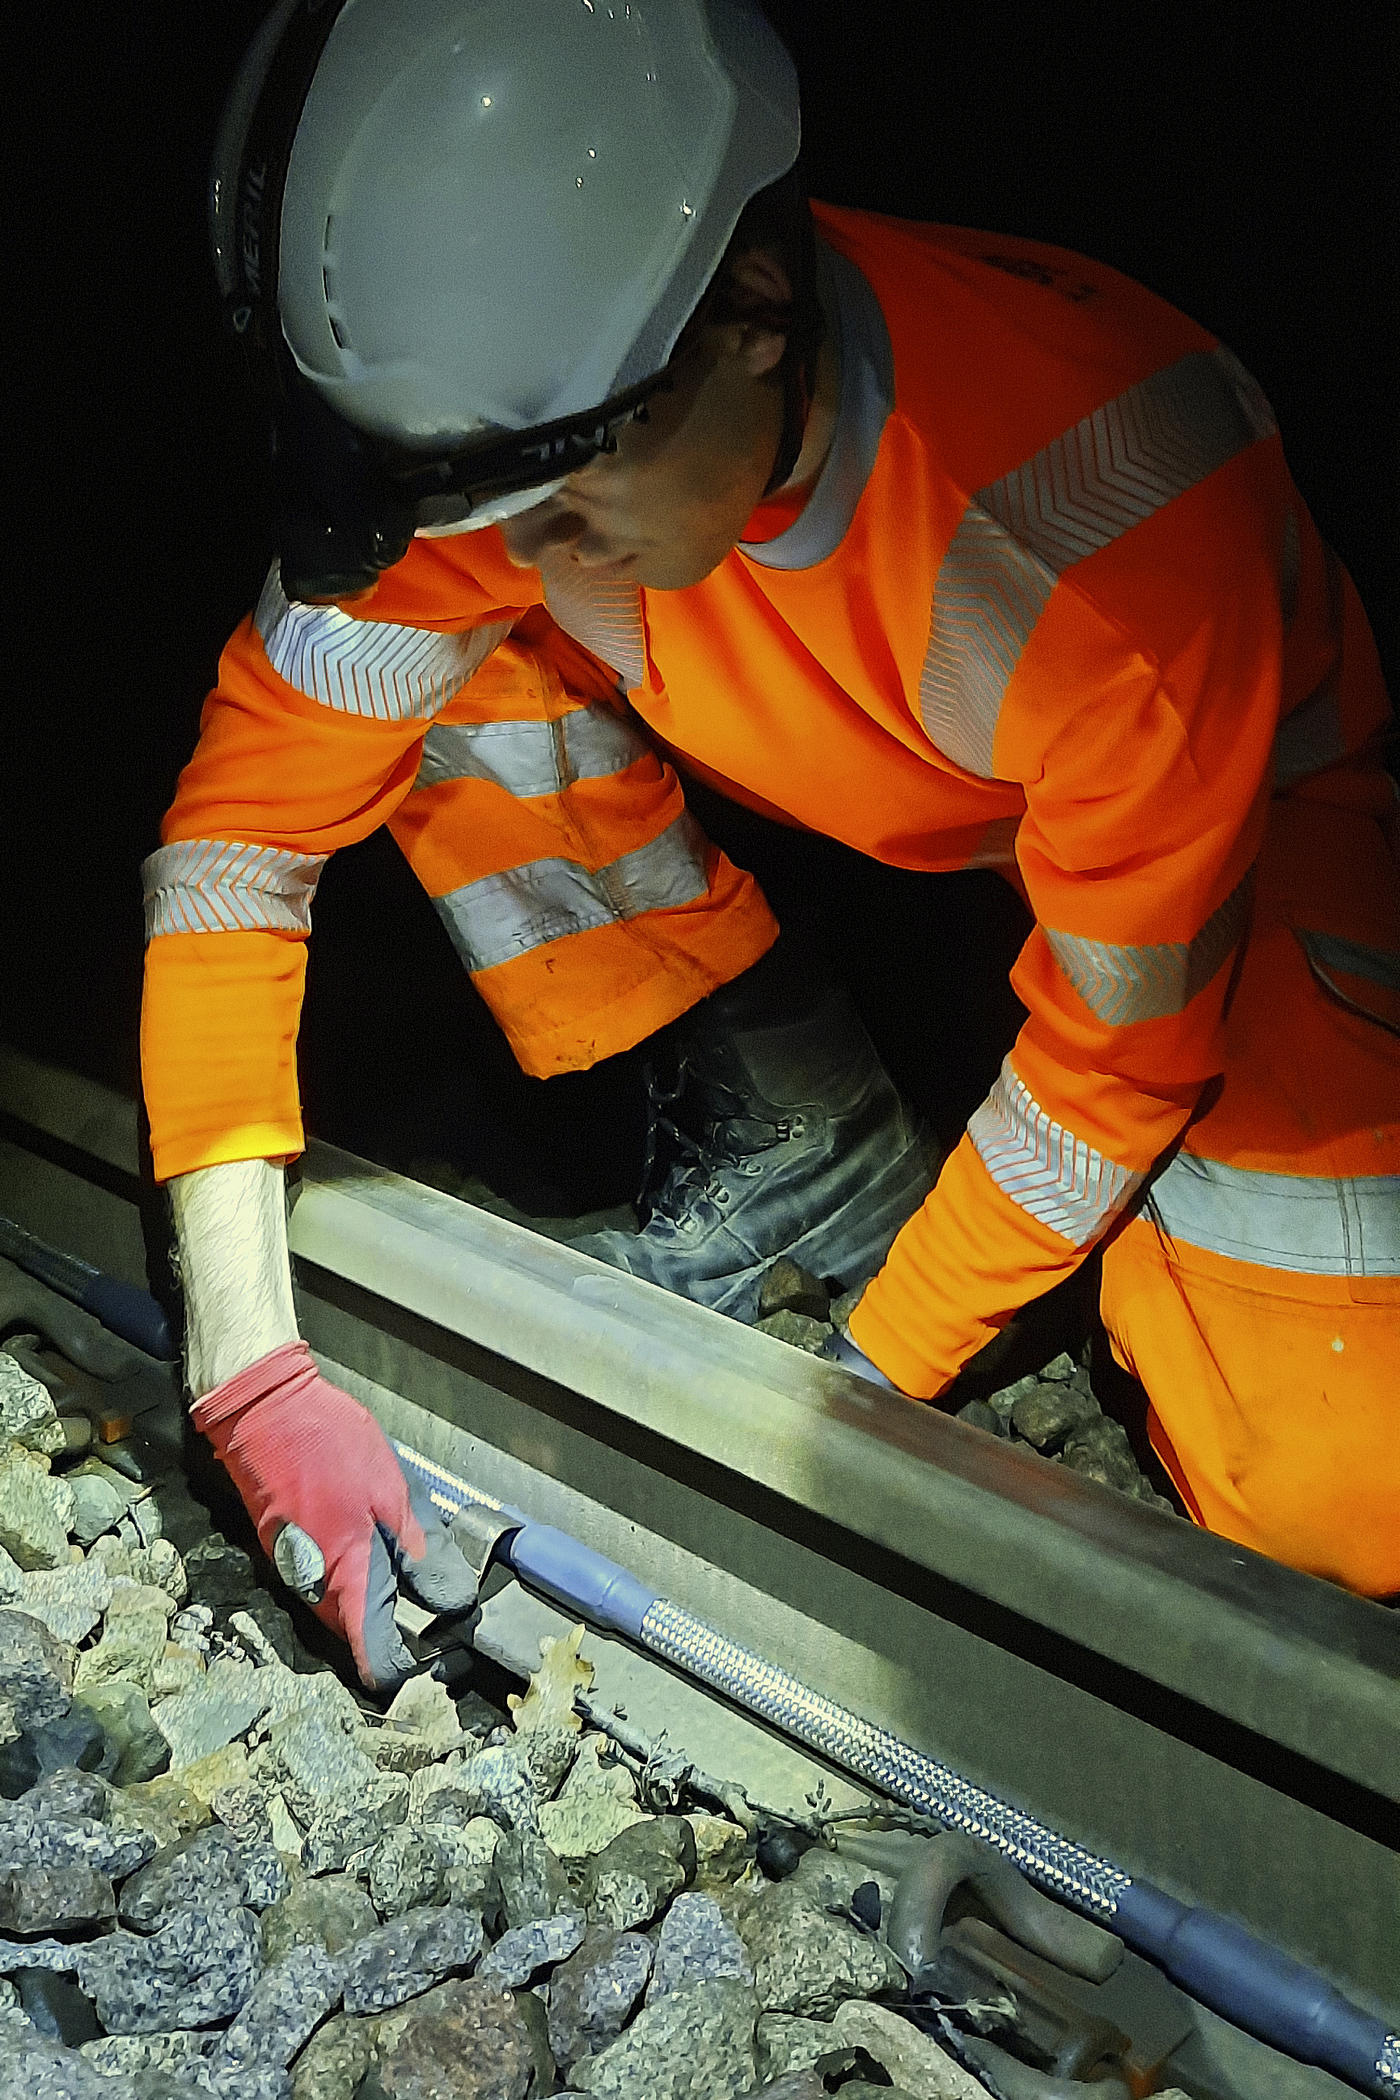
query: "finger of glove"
440, 1578
381, 1656
842, 1350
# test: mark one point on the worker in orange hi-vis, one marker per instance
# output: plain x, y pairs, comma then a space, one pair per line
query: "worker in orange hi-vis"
596, 444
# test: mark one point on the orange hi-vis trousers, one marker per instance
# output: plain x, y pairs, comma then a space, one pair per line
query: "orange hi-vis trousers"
1257, 1294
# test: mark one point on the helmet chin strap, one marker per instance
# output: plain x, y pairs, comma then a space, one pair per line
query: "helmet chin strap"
797, 406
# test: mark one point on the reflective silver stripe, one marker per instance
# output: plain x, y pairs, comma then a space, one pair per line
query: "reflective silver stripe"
367, 667
989, 594
1081, 492
1045, 1168
997, 846
605, 617
1289, 566
225, 886
532, 758
1330, 952
1310, 738
502, 916
1309, 1225
1121, 983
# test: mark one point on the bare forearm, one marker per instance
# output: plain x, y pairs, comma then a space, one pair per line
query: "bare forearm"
231, 1232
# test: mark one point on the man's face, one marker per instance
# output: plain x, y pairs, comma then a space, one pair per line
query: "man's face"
673, 500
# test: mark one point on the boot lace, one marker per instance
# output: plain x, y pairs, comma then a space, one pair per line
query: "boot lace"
682, 1164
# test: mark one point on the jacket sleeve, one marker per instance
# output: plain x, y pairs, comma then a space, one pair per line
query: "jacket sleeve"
1142, 729
308, 742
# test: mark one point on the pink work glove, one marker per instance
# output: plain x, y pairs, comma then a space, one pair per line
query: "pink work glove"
337, 1515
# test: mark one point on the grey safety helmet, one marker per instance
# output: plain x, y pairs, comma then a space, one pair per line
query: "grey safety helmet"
463, 237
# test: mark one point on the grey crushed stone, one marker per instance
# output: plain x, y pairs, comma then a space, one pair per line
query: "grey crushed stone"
1047, 1413
522, 1952
193, 1970
172, 2051
285, 2005
627, 1882
34, 2068
37, 1899
331, 1913
335, 2060
69, 1792
405, 1871
125, 1714
350, 1830
30, 1839
36, 1669
694, 2044
465, 2040
499, 1783
212, 1712
591, 1996
532, 1881
807, 1961
203, 1871
408, 1954
27, 1413
696, 1944
68, 1600
36, 1509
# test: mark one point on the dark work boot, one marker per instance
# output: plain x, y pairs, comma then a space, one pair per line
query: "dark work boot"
774, 1130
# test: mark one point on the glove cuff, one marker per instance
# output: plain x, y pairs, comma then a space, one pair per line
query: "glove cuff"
283, 1370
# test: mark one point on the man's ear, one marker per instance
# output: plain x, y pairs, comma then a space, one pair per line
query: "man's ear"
756, 300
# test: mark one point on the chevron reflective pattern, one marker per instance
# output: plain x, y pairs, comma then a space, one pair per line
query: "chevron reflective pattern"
1307, 1224
1125, 983
989, 594
532, 757
499, 917
1045, 1168
605, 617
367, 667
1311, 737
1081, 492
224, 886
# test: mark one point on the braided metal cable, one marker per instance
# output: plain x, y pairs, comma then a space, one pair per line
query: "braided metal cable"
920, 1782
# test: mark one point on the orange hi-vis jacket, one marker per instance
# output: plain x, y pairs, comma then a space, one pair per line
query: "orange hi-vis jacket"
1054, 596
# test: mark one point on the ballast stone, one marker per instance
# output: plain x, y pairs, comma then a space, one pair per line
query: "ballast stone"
591, 1997
331, 1913
697, 1944
524, 1950
27, 1414
333, 2064
36, 1510
806, 1961
408, 1955
284, 2007
463, 2040
694, 2044
196, 1968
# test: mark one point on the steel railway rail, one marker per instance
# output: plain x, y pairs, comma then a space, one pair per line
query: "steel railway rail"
1221, 1727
